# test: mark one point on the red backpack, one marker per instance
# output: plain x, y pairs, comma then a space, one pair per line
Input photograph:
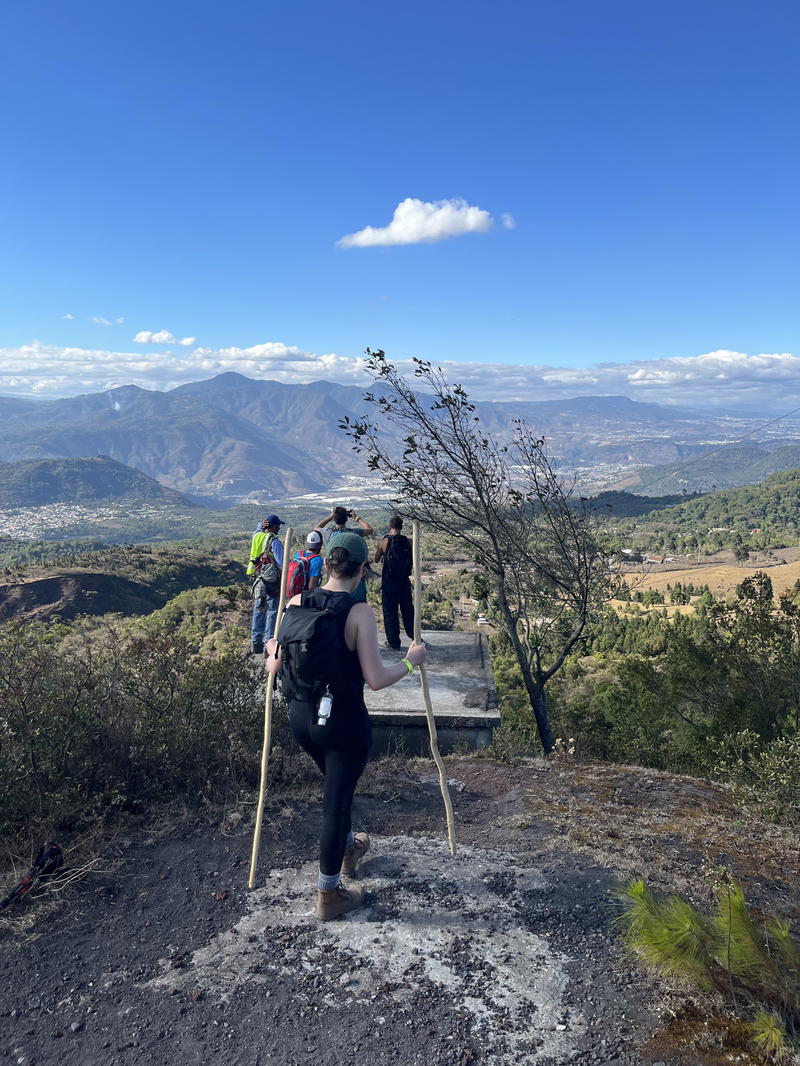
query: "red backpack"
297, 577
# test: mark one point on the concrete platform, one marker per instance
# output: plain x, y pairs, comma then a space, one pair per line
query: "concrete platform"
462, 693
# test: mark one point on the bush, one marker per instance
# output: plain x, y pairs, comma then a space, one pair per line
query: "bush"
93, 722
767, 774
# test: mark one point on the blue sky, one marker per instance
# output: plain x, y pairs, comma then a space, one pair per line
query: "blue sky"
190, 169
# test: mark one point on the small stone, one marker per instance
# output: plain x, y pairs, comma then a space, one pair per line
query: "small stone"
75, 1027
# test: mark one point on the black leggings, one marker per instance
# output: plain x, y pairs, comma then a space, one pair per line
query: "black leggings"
394, 595
341, 768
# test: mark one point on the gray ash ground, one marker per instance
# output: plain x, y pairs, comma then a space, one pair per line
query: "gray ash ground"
505, 955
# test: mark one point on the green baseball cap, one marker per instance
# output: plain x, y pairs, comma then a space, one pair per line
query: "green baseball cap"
355, 546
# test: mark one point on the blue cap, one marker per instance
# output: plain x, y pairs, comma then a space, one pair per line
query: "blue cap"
273, 520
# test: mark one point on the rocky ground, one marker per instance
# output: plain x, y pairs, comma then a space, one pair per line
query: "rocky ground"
505, 954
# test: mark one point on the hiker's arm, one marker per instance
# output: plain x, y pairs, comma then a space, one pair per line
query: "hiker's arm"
380, 549
272, 656
315, 578
272, 649
276, 547
324, 521
368, 530
377, 674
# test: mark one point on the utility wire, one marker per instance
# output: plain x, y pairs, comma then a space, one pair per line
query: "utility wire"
715, 451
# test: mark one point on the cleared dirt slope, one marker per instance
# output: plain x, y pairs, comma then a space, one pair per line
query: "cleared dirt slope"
505, 955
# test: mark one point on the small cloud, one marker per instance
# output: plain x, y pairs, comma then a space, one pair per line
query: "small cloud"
508, 221
417, 221
119, 321
98, 321
187, 342
147, 336
68, 317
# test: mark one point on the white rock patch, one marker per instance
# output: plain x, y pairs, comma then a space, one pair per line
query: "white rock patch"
427, 917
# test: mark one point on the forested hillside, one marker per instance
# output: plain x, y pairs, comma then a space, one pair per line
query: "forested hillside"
127, 580
728, 467
34, 482
767, 514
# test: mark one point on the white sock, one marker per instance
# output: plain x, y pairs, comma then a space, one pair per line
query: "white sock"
327, 882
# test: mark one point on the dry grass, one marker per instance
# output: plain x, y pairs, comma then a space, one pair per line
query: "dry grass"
721, 578
94, 853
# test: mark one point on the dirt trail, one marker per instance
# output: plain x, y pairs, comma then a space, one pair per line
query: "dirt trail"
505, 955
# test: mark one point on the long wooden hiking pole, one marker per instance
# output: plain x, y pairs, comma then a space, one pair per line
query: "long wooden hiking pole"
262, 788
423, 677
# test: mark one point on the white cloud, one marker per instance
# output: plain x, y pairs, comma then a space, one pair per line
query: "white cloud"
148, 336
68, 317
98, 321
417, 221
508, 221
187, 342
119, 321
723, 379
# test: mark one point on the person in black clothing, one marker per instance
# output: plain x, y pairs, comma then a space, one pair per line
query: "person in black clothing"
395, 551
340, 747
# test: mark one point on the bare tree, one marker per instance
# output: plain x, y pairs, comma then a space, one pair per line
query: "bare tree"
537, 541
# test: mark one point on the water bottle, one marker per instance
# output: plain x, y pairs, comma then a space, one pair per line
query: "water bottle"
324, 709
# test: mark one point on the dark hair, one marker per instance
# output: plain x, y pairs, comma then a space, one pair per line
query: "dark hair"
341, 565
396, 522
340, 516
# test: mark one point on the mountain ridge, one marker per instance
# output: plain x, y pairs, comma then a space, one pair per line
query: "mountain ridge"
231, 438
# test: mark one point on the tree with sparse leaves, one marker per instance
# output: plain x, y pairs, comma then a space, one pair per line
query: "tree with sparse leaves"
539, 545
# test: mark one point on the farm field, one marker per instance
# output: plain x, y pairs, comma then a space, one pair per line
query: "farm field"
721, 578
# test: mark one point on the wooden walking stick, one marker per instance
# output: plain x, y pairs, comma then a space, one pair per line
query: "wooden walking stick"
262, 789
423, 677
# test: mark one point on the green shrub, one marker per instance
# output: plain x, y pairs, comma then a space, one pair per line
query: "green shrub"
121, 719
768, 774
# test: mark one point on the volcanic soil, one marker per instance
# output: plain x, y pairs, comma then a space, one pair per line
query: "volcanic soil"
506, 953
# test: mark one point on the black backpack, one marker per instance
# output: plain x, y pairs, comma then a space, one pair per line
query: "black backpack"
398, 558
268, 574
313, 651
267, 583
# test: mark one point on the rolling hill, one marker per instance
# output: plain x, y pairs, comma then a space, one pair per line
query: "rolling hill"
741, 464
35, 482
773, 507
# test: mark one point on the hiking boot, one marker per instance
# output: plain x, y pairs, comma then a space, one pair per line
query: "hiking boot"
338, 901
393, 647
257, 647
354, 854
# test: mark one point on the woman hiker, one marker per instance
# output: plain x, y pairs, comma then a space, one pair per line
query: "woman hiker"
338, 743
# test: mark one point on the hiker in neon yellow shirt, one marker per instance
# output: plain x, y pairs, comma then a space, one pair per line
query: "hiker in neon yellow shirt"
257, 545
265, 607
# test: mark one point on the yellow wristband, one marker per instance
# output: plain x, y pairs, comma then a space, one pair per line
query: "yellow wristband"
408, 665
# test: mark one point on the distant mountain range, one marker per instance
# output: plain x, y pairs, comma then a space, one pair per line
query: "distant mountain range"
232, 439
